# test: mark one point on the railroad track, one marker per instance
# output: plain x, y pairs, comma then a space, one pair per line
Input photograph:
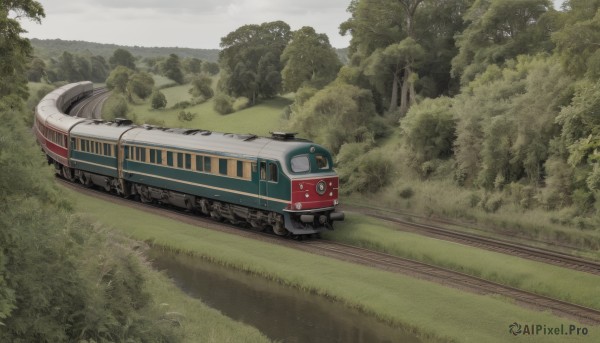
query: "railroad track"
91, 107
369, 258
502, 246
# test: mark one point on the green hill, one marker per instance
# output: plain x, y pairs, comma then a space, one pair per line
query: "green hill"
52, 48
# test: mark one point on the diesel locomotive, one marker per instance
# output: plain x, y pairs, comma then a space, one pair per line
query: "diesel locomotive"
280, 182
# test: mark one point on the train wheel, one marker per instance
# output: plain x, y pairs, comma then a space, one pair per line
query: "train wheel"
280, 230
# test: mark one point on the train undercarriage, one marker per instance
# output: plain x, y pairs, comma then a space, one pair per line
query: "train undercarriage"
287, 224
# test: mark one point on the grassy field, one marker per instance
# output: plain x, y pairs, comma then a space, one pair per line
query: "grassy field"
259, 119
431, 310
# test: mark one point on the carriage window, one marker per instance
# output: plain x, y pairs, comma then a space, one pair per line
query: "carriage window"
207, 165
198, 163
152, 156
222, 166
240, 169
300, 164
263, 170
179, 160
273, 172
322, 162
170, 158
188, 161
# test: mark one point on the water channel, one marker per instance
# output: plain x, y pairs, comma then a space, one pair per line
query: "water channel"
282, 313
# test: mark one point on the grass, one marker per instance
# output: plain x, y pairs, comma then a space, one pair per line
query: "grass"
259, 119
432, 311
541, 278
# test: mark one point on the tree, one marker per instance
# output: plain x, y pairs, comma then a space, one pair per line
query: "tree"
99, 69
15, 49
308, 58
141, 84
192, 65
37, 70
210, 68
122, 57
118, 79
202, 87
158, 100
250, 60
172, 69
499, 30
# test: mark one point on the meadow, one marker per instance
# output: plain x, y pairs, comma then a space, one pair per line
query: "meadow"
432, 311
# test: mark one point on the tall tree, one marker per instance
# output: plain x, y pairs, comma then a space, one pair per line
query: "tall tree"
15, 50
310, 59
122, 57
499, 30
172, 69
250, 59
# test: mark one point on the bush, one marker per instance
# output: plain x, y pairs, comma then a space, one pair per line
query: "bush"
182, 105
406, 192
186, 116
241, 103
361, 170
158, 100
116, 107
223, 103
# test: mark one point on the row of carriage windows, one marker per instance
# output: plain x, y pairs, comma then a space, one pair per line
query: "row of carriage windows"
53, 136
200, 163
94, 147
194, 162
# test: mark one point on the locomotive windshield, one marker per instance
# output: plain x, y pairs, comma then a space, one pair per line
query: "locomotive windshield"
322, 162
300, 164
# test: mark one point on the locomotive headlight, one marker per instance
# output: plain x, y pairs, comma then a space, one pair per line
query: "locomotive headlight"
301, 186
330, 194
298, 206
321, 187
330, 184
306, 195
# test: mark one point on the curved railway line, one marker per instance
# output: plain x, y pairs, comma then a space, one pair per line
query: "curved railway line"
384, 261
91, 105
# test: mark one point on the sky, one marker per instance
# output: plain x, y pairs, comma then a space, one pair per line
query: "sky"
182, 23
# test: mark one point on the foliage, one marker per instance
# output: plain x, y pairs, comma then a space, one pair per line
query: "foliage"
250, 60
141, 84
186, 116
15, 49
362, 170
122, 57
115, 107
223, 103
338, 114
240, 103
202, 87
210, 68
192, 65
308, 59
37, 70
430, 130
158, 100
172, 69
500, 30
119, 79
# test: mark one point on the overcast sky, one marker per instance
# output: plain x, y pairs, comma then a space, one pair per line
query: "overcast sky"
182, 23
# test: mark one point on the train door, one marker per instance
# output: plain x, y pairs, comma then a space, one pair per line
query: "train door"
262, 184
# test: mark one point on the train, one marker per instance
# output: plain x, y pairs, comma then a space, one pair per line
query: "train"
280, 183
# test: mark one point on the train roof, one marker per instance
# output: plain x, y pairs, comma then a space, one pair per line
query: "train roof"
99, 129
246, 146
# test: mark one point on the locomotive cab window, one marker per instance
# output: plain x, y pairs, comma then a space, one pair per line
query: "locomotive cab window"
300, 164
322, 162
273, 172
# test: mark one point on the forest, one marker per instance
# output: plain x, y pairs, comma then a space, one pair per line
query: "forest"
442, 107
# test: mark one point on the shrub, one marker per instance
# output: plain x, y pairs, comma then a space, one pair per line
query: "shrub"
241, 103
116, 107
223, 103
186, 116
158, 100
182, 105
406, 192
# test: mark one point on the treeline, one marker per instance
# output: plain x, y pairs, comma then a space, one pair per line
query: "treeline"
50, 48
62, 279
